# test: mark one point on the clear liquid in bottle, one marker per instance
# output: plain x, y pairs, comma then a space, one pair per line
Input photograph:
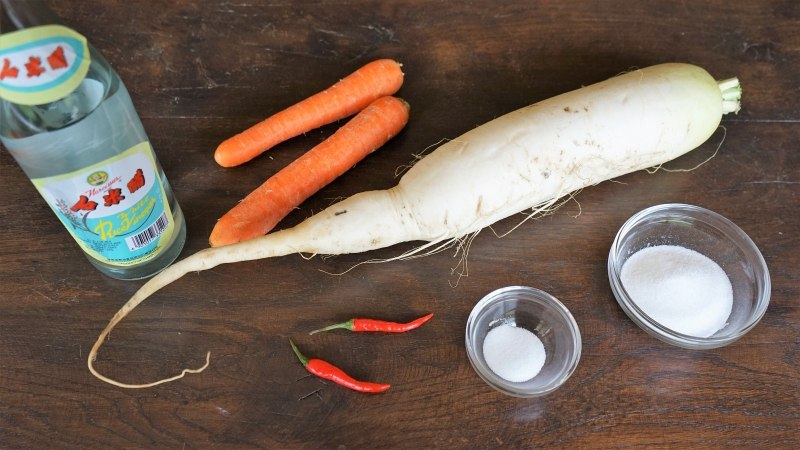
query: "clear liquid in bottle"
88, 155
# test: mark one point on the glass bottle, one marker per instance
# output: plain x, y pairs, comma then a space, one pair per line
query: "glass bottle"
68, 121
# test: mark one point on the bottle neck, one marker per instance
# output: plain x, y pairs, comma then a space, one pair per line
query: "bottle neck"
21, 119
28, 13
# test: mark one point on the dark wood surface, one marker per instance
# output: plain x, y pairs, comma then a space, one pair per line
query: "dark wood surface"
200, 71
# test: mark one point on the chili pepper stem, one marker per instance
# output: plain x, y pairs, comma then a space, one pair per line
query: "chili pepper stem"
303, 359
344, 325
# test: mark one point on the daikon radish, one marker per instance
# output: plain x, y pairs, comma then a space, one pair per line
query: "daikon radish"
525, 160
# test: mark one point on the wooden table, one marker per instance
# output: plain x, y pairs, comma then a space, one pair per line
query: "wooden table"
200, 71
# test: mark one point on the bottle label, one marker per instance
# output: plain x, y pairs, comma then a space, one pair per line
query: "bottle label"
117, 209
41, 64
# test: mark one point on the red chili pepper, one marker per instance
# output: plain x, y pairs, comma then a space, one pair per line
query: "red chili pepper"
377, 325
328, 371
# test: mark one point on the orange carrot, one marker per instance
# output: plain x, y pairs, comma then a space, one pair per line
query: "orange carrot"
263, 208
345, 98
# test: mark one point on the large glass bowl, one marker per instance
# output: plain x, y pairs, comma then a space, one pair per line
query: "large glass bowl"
710, 234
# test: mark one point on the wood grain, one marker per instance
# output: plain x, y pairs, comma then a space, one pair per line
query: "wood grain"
199, 71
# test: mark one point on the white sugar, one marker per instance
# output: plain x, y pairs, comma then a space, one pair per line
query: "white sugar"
679, 288
514, 354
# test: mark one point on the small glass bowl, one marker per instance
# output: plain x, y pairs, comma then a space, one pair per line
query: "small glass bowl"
710, 234
538, 312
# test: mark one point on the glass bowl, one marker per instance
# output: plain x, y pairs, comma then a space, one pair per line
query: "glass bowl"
710, 234
539, 313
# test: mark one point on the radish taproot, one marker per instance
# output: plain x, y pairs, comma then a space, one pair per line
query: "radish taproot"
524, 160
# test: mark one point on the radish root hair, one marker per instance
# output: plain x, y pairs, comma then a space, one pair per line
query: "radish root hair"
544, 209
417, 156
463, 243
661, 166
463, 246
416, 252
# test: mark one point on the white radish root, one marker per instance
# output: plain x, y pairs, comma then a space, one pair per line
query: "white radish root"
523, 160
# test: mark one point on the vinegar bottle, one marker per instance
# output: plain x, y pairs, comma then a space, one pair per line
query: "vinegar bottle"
68, 121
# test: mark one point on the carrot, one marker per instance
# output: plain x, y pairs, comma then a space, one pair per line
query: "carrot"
263, 208
347, 97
